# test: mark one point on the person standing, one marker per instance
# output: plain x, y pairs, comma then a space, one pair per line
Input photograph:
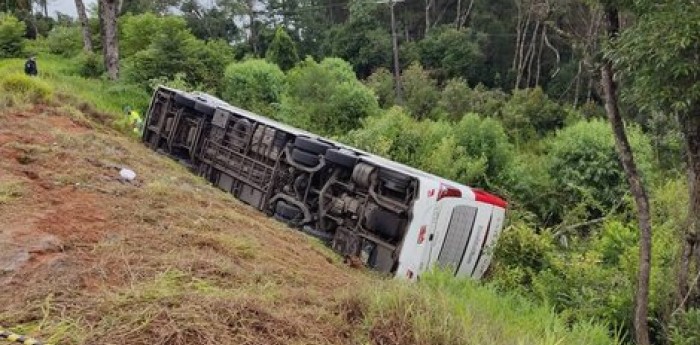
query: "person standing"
30, 67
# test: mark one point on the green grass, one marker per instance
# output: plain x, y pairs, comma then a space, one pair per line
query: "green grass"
441, 309
62, 75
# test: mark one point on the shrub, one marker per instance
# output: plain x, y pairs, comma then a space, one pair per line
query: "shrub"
282, 50
586, 170
529, 114
256, 85
90, 65
137, 32
685, 328
382, 83
30, 88
419, 91
65, 41
453, 53
326, 97
11, 36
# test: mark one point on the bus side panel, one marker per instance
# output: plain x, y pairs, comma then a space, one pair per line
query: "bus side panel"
487, 252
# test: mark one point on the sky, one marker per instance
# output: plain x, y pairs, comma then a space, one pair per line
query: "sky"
66, 6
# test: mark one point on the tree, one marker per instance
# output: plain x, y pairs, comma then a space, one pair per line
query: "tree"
282, 50
82, 16
139, 31
11, 36
326, 97
255, 85
420, 90
636, 185
108, 10
659, 59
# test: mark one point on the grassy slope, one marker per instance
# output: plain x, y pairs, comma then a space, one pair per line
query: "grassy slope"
172, 260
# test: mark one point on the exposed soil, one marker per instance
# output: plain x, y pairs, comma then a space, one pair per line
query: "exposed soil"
167, 259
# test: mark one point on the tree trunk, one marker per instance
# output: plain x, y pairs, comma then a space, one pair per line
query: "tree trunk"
82, 16
637, 189
110, 41
690, 125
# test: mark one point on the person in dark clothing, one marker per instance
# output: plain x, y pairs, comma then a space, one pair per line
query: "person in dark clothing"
30, 67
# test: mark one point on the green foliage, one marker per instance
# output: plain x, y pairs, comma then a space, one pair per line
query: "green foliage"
685, 328
382, 83
180, 52
521, 254
658, 54
30, 88
419, 91
256, 85
91, 65
441, 309
326, 98
530, 114
586, 171
137, 32
11, 36
282, 50
65, 41
474, 151
454, 99
453, 53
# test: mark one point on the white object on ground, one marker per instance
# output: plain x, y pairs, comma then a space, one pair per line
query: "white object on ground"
127, 174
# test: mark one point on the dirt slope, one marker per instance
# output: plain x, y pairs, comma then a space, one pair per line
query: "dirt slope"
86, 258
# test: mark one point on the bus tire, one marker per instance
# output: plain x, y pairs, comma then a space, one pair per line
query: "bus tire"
311, 145
286, 211
305, 158
340, 158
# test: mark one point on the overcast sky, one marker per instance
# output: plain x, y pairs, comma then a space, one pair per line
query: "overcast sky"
66, 6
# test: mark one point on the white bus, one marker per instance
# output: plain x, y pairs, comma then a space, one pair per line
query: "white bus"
388, 216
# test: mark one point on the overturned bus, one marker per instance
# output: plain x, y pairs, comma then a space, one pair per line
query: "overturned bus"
392, 218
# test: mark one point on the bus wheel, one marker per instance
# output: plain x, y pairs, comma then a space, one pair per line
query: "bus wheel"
311, 145
341, 158
305, 158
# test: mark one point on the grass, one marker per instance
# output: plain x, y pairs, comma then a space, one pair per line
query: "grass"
10, 190
444, 310
61, 74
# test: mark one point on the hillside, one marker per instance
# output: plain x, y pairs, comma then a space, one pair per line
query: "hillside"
168, 259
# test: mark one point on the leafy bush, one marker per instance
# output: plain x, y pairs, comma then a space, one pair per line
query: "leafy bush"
419, 91
256, 85
382, 83
457, 99
586, 170
11, 36
137, 32
282, 50
90, 65
685, 328
529, 114
30, 88
453, 53
179, 52
326, 97
65, 41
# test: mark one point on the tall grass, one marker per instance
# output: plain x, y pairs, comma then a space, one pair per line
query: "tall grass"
62, 75
441, 309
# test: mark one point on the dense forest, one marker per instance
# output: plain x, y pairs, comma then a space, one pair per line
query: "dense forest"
585, 115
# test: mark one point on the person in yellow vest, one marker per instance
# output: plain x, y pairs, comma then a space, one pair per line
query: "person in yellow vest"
133, 120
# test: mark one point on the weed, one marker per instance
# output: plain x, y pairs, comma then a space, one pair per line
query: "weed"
33, 89
10, 190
